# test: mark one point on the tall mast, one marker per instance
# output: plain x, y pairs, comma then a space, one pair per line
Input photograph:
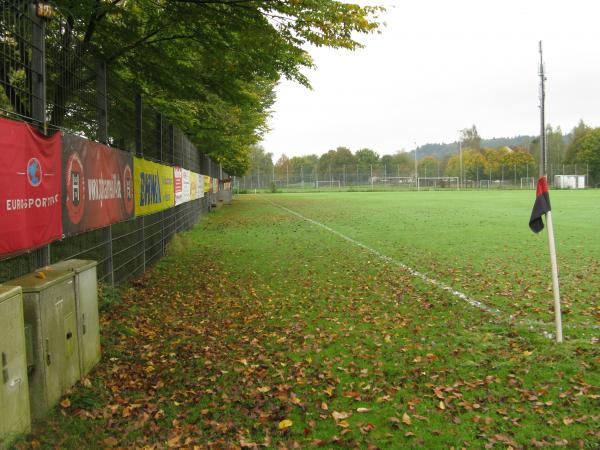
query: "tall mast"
543, 156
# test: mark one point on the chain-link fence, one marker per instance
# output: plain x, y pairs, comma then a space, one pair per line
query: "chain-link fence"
382, 176
49, 77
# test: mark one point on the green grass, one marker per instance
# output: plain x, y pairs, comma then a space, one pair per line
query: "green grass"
257, 316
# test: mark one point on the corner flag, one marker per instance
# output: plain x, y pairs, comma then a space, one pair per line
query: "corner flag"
541, 206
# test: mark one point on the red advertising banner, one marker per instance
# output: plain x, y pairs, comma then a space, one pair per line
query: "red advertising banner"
98, 185
30, 190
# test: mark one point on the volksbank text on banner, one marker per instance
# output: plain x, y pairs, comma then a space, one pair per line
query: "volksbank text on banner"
97, 185
30, 187
153, 187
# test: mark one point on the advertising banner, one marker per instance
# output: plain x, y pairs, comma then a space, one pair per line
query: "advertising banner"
97, 185
200, 185
181, 179
178, 183
30, 187
193, 186
186, 194
215, 185
153, 187
207, 183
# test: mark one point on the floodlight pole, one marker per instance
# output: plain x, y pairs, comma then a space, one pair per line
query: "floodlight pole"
551, 242
460, 179
416, 170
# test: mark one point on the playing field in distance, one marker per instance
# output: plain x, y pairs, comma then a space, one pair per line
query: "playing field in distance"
478, 243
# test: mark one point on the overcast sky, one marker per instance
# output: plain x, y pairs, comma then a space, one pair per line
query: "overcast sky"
440, 66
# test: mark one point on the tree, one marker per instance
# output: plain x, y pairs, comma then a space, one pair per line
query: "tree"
260, 168
586, 151
209, 65
474, 164
470, 138
577, 133
282, 168
428, 166
555, 146
303, 167
366, 157
494, 158
520, 162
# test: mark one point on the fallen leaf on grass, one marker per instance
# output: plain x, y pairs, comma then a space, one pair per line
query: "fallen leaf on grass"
394, 420
340, 415
65, 403
110, 441
343, 424
284, 424
406, 419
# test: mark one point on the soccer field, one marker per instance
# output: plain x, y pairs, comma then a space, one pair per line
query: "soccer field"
352, 320
477, 243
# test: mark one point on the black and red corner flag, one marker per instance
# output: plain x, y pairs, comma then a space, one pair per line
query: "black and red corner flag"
541, 206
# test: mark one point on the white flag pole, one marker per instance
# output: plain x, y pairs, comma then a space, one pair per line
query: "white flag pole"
549, 224
555, 285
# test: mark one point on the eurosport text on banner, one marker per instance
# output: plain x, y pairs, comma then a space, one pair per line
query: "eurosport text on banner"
153, 187
30, 187
97, 185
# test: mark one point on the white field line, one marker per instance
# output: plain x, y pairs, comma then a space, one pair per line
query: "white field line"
440, 285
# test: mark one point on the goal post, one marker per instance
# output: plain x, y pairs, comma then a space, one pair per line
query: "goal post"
393, 181
328, 184
438, 183
527, 183
484, 184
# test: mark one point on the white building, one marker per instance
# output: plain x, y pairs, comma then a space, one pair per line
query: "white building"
569, 181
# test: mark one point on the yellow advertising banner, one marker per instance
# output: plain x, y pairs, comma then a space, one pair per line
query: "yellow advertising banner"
207, 183
154, 189
193, 186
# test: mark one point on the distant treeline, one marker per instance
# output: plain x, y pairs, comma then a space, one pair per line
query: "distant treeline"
481, 158
443, 151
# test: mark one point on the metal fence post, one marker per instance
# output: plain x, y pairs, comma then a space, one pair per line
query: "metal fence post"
38, 68
109, 254
143, 244
159, 136
139, 151
102, 103
172, 143
38, 91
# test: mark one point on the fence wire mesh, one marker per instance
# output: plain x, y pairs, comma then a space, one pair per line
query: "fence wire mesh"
50, 77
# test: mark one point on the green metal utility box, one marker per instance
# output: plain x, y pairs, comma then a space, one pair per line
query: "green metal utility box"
49, 307
14, 392
86, 301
